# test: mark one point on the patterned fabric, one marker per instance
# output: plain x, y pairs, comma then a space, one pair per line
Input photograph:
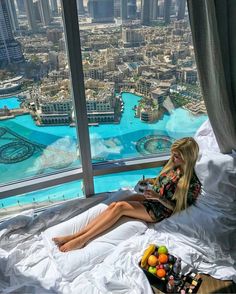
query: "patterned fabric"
166, 187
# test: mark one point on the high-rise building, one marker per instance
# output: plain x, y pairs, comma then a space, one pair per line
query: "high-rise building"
123, 9
44, 11
131, 9
29, 6
101, 10
80, 7
117, 8
54, 7
12, 14
153, 9
20, 6
167, 10
10, 49
181, 9
145, 12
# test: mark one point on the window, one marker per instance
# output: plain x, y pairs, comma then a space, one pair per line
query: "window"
134, 90
36, 104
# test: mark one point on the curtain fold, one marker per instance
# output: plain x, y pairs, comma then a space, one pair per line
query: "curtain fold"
213, 26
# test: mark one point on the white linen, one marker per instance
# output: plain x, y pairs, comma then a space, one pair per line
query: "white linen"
203, 236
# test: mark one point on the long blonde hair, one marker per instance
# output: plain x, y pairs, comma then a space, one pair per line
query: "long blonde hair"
188, 150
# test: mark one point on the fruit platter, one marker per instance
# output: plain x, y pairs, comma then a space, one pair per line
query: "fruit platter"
163, 271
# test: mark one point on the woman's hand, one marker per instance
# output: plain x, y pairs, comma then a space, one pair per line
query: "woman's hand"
147, 181
151, 194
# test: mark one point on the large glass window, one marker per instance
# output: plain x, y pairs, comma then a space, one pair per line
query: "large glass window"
140, 90
37, 134
141, 82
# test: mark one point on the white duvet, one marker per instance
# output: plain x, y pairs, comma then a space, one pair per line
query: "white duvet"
204, 236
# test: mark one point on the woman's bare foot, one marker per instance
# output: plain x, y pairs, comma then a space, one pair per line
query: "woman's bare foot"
76, 243
62, 240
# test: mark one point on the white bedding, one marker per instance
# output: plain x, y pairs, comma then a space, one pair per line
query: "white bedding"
204, 236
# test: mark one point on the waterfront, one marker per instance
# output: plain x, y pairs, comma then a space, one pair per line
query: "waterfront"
108, 142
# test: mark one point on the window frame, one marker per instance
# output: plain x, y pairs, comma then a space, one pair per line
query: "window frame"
88, 170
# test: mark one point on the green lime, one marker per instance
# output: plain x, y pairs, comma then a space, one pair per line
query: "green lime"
162, 250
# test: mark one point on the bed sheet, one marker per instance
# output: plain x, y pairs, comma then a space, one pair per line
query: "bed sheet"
31, 267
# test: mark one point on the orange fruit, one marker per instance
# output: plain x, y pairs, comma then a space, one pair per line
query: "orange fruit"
163, 258
152, 260
161, 273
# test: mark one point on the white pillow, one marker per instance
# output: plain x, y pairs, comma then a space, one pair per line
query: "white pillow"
206, 139
73, 263
217, 173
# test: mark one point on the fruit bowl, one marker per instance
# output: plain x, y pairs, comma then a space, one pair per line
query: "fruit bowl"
162, 269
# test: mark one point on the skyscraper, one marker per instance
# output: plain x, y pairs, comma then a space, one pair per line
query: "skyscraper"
154, 9
12, 15
44, 11
80, 7
54, 7
181, 9
101, 10
167, 8
123, 9
29, 6
131, 9
145, 12
10, 49
20, 6
117, 8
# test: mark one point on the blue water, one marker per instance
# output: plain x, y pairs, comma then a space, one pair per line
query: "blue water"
108, 142
11, 102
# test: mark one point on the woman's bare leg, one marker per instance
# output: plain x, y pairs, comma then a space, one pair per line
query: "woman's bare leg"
107, 219
64, 239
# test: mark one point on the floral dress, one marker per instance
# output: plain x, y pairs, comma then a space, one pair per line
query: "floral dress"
166, 188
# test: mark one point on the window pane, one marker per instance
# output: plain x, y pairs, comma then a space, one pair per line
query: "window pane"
112, 182
36, 110
142, 89
40, 198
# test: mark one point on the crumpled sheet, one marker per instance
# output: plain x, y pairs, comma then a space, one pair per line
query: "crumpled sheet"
200, 236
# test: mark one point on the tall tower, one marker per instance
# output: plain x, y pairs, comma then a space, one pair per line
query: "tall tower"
101, 10
117, 8
181, 9
20, 6
132, 9
145, 12
29, 6
167, 8
123, 9
80, 7
154, 9
12, 15
54, 7
44, 11
10, 49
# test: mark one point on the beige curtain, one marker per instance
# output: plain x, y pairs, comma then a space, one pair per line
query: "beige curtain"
213, 25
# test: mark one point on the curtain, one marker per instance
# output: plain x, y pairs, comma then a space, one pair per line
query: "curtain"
213, 25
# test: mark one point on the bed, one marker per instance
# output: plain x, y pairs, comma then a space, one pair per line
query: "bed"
204, 236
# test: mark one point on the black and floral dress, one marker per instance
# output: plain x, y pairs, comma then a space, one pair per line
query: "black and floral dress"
166, 187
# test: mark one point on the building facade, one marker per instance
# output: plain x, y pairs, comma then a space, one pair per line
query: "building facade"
10, 49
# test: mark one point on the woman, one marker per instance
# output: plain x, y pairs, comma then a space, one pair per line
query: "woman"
173, 190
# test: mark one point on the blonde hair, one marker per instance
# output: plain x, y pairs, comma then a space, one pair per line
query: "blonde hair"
188, 150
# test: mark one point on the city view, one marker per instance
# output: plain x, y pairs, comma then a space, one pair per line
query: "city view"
140, 77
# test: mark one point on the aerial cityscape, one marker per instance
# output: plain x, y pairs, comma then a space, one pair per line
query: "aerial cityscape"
140, 77
146, 50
